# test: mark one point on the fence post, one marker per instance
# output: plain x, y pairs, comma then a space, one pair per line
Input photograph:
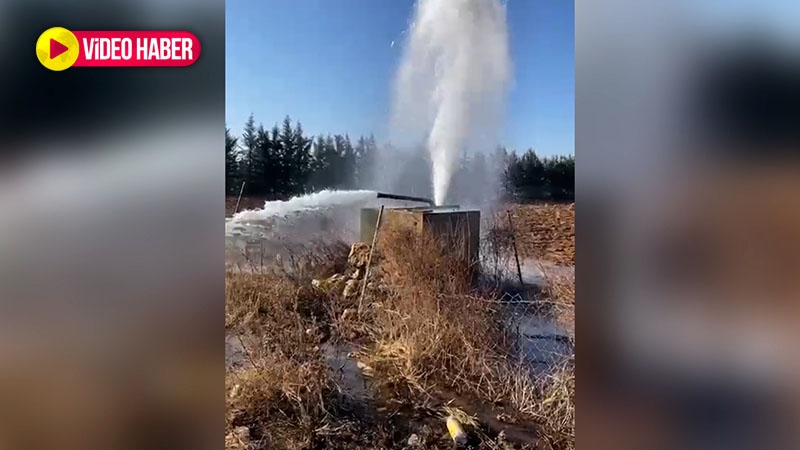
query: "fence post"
369, 260
239, 198
514, 243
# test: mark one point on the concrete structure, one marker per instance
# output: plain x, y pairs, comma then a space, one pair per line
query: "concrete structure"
447, 221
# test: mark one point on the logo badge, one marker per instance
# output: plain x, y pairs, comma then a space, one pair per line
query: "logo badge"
57, 49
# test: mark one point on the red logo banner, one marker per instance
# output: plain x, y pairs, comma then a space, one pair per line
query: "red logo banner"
136, 48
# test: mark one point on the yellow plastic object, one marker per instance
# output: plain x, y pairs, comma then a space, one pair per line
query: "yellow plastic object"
456, 431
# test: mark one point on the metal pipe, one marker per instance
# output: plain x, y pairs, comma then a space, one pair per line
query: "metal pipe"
406, 197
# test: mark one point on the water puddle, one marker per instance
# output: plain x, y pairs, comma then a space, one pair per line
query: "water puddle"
354, 387
536, 272
542, 341
235, 354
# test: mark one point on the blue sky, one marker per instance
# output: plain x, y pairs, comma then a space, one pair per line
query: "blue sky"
329, 64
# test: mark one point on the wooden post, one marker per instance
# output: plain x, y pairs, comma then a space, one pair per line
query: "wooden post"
369, 260
514, 243
239, 199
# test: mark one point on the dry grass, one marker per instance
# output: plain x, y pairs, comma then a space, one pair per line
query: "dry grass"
286, 393
282, 402
559, 288
277, 309
426, 330
560, 292
435, 331
555, 407
287, 396
544, 231
320, 260
431, 329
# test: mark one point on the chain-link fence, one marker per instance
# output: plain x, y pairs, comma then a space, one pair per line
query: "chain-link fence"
540, 332
543, 330
537, 303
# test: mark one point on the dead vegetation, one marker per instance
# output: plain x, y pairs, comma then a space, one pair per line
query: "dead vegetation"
544, 231
286, 386
554, 407
432, 329
439, 335
427, 338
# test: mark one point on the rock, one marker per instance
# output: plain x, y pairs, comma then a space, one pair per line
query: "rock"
351, 288
333, 283
238, 438
243, 433
359, 253
234, 392
366, 370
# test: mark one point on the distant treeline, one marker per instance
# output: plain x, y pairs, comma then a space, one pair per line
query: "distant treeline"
282, 161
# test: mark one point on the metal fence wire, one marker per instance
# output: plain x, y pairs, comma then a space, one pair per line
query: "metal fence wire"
541, 333
543, 330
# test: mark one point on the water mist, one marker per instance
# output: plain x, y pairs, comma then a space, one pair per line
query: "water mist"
451, 83
309, 202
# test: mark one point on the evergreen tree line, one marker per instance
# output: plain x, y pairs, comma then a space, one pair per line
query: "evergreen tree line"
282, 162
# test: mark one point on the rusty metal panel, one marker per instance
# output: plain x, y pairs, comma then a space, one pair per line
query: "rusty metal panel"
462, 227
448, 222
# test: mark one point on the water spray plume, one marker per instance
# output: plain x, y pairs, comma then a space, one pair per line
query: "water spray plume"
317, 200
452, 81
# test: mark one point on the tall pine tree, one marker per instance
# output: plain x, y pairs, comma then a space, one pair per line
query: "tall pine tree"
250, 157
232, 176
326, 163
302, 160
279, 163
267, 163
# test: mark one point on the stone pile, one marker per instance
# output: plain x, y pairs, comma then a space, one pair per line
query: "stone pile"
348, 286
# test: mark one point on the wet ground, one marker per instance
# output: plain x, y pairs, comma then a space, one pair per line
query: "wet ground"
543, 343
355, 388
236, 357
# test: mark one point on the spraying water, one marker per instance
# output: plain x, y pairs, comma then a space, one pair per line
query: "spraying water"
317, 200
452, 80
